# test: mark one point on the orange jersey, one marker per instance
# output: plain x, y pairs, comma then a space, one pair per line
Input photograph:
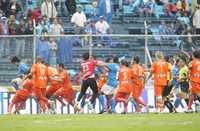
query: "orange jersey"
102, 80
53, 73
66, 83
195, 70
138, 75
160, 70
125, 80
40, 75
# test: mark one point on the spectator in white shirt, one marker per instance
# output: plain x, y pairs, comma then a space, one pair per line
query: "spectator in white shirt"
79, 20
102, 26
196, 20
48, 9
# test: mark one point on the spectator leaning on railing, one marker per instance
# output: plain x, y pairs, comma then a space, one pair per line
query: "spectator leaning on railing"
20, 41
52, 51
41, 26
4, 46
42, 46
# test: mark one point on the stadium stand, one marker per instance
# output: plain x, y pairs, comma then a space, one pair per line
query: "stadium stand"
126, 20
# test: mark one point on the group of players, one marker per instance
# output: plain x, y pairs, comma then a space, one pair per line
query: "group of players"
117, 81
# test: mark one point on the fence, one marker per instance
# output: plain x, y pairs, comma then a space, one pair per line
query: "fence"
68, 49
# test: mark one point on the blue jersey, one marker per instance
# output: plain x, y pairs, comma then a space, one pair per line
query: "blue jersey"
112, 74
175, 73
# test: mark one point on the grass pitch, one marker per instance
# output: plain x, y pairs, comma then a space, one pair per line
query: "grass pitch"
129, 122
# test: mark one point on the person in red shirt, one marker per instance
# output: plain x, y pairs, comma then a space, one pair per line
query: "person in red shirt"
125, 85
39, 71
65, 92
194, 67
160, 70
21, 95
138, 82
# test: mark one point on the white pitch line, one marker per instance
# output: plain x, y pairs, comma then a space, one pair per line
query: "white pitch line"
50, 121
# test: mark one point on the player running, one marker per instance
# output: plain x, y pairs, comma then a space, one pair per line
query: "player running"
109, 88
139, 79
39, 71
21, 95
53, 76
194, 67
160, 70
125, 85
183, 80
65, 91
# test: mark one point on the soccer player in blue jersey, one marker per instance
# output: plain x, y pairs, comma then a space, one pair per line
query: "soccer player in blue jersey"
23, 69
111, 84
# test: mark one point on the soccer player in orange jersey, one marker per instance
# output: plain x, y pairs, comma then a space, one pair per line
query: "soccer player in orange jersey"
160, 70
39, 71
138, 82
125, 84
65, 92
194, 67
21, 95
54, 81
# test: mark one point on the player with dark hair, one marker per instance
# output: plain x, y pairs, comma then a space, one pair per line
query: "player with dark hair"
139, 79
23, 69
65, 91
111, 84
22, 66
88, 79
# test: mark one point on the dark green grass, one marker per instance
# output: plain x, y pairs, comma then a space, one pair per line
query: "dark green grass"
131, 122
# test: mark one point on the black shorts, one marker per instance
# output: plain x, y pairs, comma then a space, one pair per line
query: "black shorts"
167, 90
184, 86
90, 82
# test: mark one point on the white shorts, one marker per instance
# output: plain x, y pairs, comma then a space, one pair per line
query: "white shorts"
108, 90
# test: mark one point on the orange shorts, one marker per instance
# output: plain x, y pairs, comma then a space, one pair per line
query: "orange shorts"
40, 93
121, 97
158, 90
125, 88
66, 93
195, 88
19, 99
23, 93
51, 90
137, 91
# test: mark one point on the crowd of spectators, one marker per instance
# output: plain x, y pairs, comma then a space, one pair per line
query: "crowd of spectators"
28, 17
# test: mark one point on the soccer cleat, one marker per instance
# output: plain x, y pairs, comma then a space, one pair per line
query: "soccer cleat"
90, 108
189, 111
102, 112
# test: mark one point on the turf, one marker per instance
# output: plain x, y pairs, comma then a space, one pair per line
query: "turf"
131, 122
